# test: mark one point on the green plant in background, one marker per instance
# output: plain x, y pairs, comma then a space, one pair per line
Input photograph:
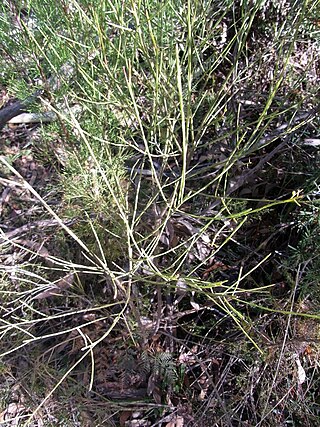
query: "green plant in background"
305, 253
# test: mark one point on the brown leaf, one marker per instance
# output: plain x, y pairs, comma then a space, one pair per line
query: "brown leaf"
66, 281
217, 265
156, 394
173, 240
177, 422
50, 292
125, 415
39, 248
154, 389
57, 287
12, 411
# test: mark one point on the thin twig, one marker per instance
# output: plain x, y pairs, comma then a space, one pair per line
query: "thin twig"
44, 223
277, 133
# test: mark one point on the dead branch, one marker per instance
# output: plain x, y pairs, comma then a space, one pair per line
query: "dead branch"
19, 107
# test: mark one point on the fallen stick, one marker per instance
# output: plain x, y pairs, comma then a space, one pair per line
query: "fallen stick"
13, 110
26, 118
17, 112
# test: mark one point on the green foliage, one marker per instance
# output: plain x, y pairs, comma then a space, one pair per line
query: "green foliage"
168, 179
164, 367
306, 252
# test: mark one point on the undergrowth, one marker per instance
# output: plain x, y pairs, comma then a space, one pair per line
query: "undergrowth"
159, 240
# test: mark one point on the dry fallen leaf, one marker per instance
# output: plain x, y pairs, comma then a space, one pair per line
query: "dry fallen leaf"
124, 417
56, 288
39, 248
66, 281
217, 265
12, 412
50, 292
301, 372
177, 422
